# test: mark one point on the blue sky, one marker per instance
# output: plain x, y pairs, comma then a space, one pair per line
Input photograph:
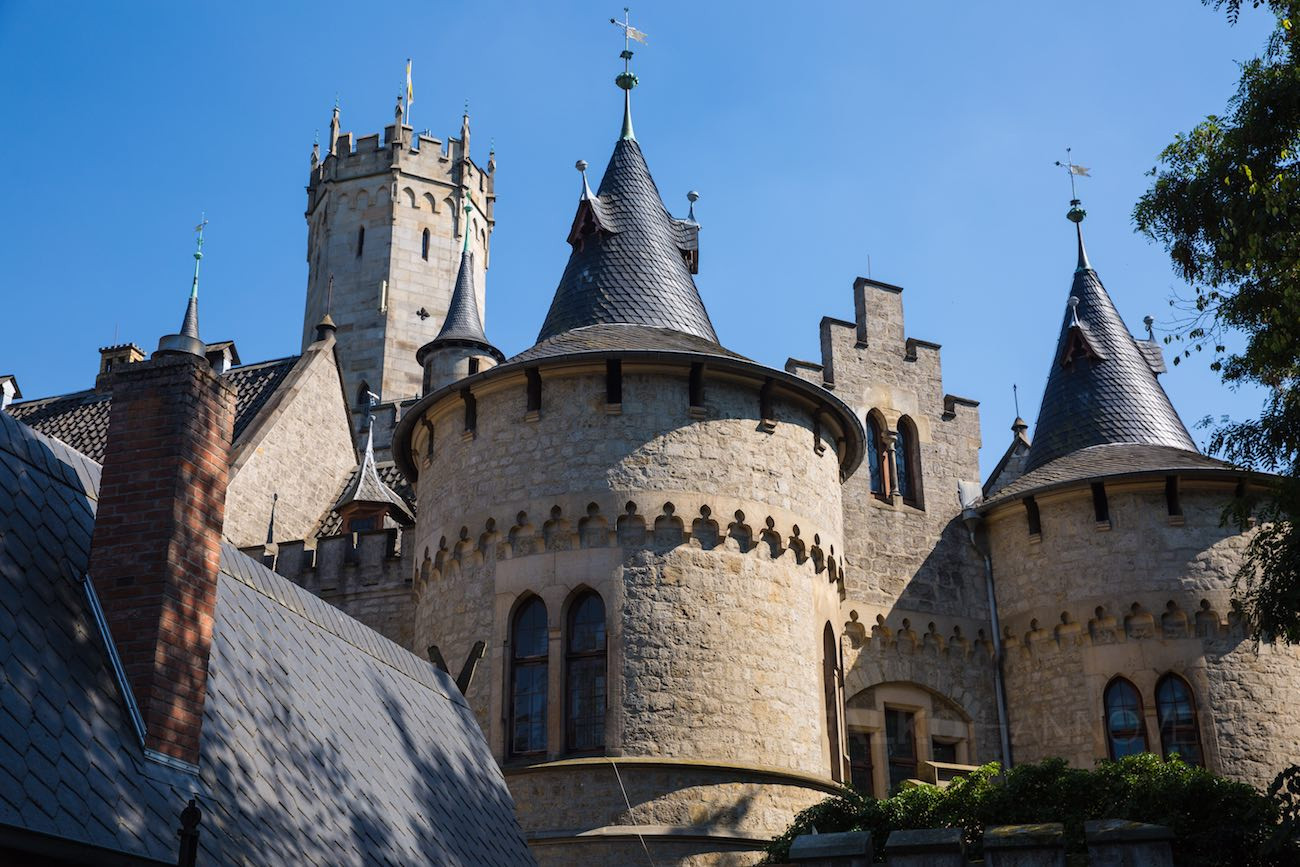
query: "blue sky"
920, 136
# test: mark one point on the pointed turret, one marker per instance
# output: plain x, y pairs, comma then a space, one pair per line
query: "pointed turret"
187, 339
461, 348
632, 261
367, 498
334, 128
1102, 387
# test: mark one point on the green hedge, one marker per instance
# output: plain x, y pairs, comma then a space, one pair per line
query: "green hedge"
1215, 821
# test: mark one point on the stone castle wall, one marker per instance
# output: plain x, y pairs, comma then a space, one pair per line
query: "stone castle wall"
306, 417
903, 557
395, 190
714, 543
1139, 596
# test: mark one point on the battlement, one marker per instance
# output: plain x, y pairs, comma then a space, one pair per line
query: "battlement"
421, 157
339, 565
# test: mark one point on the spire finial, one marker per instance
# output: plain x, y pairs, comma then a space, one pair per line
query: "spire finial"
627, 79
198, 255
469, 206
1074, 311
187, 341
581, 166
1015, 396
692, 197
1076, 213
1150, 322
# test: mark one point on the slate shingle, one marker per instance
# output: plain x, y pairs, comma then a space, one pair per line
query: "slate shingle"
391, 740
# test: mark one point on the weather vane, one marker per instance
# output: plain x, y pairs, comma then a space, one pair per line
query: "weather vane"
1073, 170
629, 32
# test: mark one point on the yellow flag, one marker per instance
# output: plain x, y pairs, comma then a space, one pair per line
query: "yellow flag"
410, 91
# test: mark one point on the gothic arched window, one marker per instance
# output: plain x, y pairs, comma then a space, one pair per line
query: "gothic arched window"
584, 674
1126, 733
361, 240
877, 459
528, 643
424, 246
1176, 711
907, 461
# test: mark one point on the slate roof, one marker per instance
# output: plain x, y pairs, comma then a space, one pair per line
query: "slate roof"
80, 419
1107, 393
365, 485
332, 522
323, 743
464, 322
1109, 461
606, 337
628, 263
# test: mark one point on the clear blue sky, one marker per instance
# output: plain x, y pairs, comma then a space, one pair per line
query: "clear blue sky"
921, 135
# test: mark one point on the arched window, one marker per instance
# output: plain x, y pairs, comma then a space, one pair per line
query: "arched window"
830, 683
1176, 711
907, 462
424, 246
584, 674
361, 240
528, 645
1126, 731
877, 459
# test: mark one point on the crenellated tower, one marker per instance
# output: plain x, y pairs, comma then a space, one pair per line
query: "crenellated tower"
387, 220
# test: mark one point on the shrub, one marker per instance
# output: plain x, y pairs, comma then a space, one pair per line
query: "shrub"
1214, 821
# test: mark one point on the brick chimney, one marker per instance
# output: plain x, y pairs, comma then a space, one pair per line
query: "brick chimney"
156, 547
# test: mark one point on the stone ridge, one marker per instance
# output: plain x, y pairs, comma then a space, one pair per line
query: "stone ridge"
630, 267
1111, 398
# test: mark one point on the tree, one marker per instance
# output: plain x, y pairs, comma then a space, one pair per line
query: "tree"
1225, 204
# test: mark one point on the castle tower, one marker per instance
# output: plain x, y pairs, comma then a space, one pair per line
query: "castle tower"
1114, 570
645, 529
386, 224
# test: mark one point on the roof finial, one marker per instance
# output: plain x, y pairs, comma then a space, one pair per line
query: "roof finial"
692, 197
581, 166
1015, 396
1074, 311
1150, 322
187, 339
1076, 213
627, 79
469, 206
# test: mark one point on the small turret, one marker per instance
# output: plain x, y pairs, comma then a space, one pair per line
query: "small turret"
461, 348
187, 341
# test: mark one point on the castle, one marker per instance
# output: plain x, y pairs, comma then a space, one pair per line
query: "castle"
688, 595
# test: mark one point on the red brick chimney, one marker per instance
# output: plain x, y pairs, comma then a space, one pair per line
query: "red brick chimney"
155, 552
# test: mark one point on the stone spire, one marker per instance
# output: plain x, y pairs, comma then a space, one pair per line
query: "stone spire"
1102, 387
334, 128
187, 339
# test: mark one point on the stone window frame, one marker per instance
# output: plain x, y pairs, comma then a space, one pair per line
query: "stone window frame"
919, 700
877, 431
540, 661
570, 656
908, 449
1172, 677
424, 245
831, 678
1117, 682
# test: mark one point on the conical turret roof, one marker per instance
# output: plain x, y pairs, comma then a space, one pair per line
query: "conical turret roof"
463, 322
629, 264
1102, 387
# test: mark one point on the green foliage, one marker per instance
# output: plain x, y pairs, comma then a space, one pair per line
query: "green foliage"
1225, 204
1215, 821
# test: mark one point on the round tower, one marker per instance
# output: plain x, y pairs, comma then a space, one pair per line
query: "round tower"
1114, 571
645, 531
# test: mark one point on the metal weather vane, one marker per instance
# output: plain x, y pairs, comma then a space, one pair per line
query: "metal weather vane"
629, 32
1074, 170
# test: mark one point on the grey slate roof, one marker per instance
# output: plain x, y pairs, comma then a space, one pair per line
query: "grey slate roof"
331, 524
464, 322
365, 485
323, 743
1113, 397
80, 419
628, 263
606, 337
1108, 461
